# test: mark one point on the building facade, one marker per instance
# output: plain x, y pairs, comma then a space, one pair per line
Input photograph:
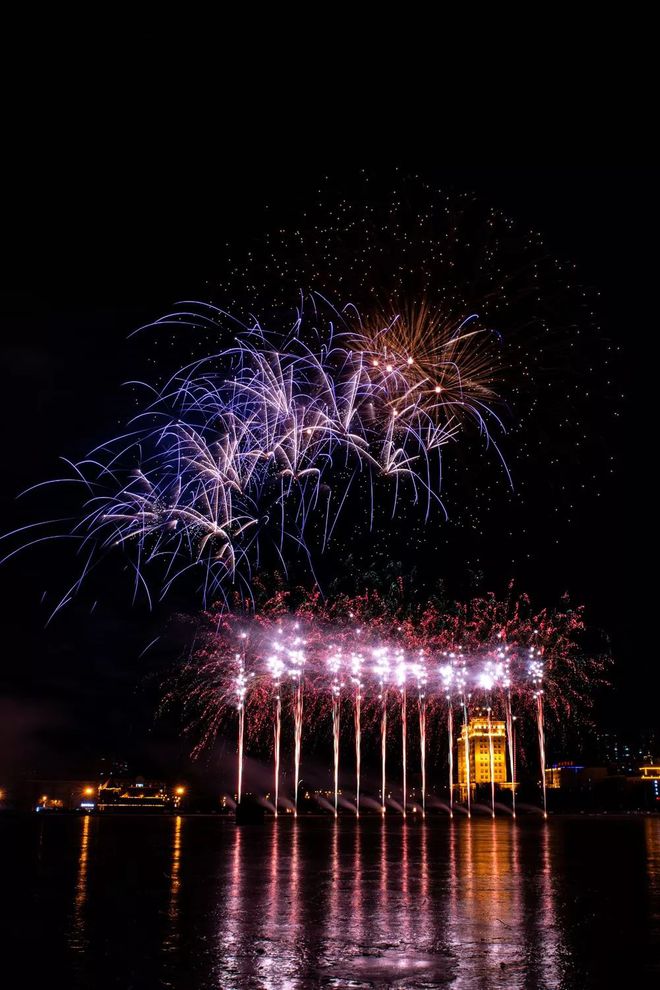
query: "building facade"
487, 753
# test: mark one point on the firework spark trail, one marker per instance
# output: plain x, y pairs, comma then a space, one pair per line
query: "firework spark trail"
536, 673
334, 664
276, 669
335, 739
421, 676
358, 748
277, 745
404, 733
401, 682
541, 733
382, 672
298, 727
447, 677
383, 750
450, 734
313, 651
511, 744
294, 655
422, 746
505, 656
241, 735
467, 755
460, 674
237, 448
336, 730
241, 688
356, 668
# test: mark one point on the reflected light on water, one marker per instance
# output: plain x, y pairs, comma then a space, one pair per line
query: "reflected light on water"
199, 903
77, 937
370, 902
357, 906
175, 870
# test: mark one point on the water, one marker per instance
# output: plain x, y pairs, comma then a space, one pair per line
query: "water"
196, 902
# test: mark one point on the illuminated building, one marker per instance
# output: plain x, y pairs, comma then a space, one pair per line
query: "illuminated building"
47, 803
488, 753
111, 794
651, 773
569, 776
553, 777
133, 795
58, 795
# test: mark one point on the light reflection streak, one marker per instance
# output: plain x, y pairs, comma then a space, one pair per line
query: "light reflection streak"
548, 933
357, 906
470, 910
172, 938
77, 938
406, 913
384, 905
175, 869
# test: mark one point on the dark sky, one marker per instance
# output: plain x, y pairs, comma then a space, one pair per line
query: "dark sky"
103, 236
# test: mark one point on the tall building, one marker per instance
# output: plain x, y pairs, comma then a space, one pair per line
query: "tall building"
480, 737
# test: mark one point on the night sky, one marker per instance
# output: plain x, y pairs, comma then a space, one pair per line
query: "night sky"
106, 240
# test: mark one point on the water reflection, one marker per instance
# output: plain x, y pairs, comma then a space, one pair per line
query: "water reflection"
652, 838
369, 902
77, 936
198, 903
171, 939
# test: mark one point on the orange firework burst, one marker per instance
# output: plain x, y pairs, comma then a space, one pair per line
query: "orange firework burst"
429, 362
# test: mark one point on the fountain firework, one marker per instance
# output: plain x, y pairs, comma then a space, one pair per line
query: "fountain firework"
335, 664
276, 668
468, 788
447, 676
401, 685
511, 746
421, 678
382, 671
298, 727
536, 673
356, 665
240, 704
491, 759
450, 739
324, 648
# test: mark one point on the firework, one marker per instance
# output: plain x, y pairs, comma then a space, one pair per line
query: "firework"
238, 453
310, 658
433, 363
251, 454
381, 670
334, 664
356, 677
276, 669
447, 679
